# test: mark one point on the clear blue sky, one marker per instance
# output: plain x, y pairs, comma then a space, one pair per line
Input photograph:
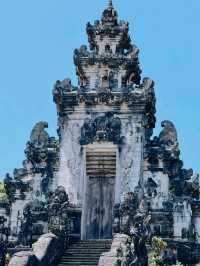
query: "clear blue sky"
37, 39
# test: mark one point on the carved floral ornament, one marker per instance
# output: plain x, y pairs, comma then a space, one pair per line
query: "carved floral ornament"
102, 128
134, 96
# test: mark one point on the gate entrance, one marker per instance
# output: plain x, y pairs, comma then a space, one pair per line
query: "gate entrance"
101, 173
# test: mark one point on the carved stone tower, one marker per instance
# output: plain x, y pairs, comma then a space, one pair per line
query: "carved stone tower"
104, 124
105, 159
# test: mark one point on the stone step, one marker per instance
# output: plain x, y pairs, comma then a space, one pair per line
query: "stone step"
95, 241
77, 264
87, 248
94, 262
91, 244
88, 260
80, 257
100, 243
85, 253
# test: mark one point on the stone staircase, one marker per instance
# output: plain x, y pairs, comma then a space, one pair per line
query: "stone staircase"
85, 253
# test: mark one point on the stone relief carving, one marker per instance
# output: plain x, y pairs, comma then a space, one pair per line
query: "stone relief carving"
103, 128
163, 153
58, 204
37, 214
32, 222
151, 188
135, 222
41, 159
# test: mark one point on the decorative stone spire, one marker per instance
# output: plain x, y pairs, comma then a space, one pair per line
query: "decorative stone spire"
109, 16
110, 4
112, 61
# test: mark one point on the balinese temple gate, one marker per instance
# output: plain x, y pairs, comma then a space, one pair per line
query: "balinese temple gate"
106, 162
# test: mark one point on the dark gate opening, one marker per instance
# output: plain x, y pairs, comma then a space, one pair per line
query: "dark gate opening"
101, 172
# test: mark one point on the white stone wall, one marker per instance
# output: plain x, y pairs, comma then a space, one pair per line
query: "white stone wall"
182, 218
71, 170
131, 154
71, 173
196, 221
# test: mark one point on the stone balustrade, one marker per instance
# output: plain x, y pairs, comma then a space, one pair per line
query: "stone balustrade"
46, 251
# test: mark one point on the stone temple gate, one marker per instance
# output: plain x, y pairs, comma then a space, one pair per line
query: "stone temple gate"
105, 155
104, 124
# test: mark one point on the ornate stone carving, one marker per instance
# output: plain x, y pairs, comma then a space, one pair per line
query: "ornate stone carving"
139, 232
103, 128
57, 207
169, 134
25, 235
151, 188
127, 211
163, 153
168, 139
36, 148
32, 221
39, 137
109, 82
41, 152
15, 188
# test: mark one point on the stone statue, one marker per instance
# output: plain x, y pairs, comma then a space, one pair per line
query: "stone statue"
67, 84
168, 139
191, 186
168, 135
139, 232
127, 211
39, 136
134, 53
148, 84
34, 217
25, 235
60, 196
83, 50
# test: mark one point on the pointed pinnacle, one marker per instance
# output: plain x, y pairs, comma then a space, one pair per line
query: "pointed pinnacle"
110, 4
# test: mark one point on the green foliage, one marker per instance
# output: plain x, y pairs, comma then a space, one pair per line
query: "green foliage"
152, 258
158, 245
3, 195
8, 258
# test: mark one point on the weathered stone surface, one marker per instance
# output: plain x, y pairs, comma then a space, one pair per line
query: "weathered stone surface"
109, 116
118, 247
24, 258
47, 249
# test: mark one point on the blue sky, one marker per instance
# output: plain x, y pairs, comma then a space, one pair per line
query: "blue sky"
37, 39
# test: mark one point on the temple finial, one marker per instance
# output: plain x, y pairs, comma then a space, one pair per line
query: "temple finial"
110, 4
